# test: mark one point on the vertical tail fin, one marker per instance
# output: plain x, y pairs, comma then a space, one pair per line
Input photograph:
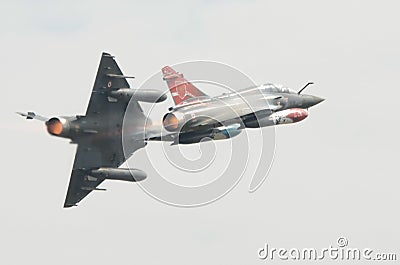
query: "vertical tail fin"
180, 88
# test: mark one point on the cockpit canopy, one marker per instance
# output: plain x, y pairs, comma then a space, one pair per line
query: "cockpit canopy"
273, 88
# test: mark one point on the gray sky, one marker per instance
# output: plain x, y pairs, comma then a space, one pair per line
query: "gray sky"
335, 174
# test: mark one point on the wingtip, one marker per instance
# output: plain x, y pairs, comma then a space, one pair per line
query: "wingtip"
106, 54
66, 205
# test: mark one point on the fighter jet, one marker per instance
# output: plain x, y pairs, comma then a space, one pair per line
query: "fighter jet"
194, 118
98, 133
197, 117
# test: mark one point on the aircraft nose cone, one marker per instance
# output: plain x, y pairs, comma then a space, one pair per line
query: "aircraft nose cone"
318, 100
313, 100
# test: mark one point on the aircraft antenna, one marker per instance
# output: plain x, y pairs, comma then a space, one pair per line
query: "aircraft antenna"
301, 90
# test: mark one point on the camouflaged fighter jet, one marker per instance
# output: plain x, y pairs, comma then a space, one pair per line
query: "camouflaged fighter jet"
197, 117
98, 133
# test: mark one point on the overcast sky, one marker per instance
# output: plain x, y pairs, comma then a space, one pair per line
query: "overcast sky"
335, 173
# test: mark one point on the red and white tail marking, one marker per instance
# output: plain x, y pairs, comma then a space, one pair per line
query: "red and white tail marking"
180, 88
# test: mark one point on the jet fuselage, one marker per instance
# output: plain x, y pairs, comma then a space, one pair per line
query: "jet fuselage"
254, 107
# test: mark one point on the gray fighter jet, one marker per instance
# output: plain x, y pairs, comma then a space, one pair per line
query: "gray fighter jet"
98, 133
197, 117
